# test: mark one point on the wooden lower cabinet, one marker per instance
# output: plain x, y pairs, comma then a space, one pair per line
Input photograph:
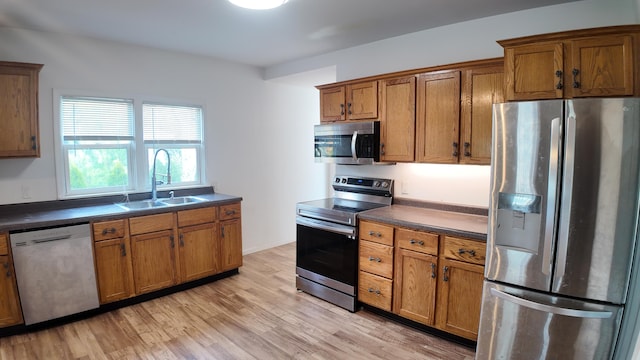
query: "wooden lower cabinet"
436, 279
153, 261
459, 298
10, 311
113, 270
199, 248
414, 295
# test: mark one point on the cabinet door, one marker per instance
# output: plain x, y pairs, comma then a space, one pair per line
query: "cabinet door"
10, 312
362, 100
481, 88
534, 72
230, 244
153, 261
397, 119
414, 294
199, 251
19, 110
113, 270
438, 117
459, 298
602, 66
332, 104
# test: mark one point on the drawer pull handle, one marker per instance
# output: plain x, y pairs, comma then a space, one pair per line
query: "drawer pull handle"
375, 233
108, 231
419, 242
470, 252
123, 250
230, 212
181, 240
433, 270
377, 292
559, 86
445, 273
371, 258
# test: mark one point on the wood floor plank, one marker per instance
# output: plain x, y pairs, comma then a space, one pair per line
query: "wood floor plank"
257, 314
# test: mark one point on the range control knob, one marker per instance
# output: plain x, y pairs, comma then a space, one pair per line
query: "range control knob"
376, 183
344, 180
337, 179
385, 184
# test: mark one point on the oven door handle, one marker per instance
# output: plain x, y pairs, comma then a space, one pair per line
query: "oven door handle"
324, 225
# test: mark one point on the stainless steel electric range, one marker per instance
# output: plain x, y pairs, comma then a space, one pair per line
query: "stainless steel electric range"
327, 238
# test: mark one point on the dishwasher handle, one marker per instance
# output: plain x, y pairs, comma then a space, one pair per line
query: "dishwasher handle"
55, 238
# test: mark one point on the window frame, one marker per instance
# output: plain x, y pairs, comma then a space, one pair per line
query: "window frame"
138, 167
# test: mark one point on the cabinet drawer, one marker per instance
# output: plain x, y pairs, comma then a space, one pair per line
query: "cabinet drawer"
4, 248
231, 211
108, 230
375, 290
197, 216
151, 223
423, 242
379, 233
376, 258
465, 250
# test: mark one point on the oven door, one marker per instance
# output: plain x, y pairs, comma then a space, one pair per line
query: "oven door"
327, 253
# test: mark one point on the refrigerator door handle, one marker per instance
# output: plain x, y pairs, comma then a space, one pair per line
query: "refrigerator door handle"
565, 208
552, 191
551, 309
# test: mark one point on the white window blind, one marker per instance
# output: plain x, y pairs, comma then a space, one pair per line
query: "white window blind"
85, 118
169, 124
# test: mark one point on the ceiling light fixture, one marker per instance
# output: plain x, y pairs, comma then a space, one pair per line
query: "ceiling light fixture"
258, 4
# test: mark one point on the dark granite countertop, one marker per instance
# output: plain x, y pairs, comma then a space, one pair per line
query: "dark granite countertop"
17, 217
455, 223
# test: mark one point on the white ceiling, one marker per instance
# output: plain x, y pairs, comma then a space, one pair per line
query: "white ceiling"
300, 28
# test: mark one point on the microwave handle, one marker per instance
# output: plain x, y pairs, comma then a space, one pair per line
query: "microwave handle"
354, 140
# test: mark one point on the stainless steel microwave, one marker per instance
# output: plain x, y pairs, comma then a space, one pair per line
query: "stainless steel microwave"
355, 143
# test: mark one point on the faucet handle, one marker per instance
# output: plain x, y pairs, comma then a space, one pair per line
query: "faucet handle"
171, 194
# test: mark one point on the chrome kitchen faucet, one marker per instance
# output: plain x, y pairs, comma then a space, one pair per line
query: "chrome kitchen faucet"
154, 196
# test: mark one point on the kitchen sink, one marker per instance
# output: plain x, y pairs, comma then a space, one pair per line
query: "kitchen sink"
181, 200
142, 204
150, 204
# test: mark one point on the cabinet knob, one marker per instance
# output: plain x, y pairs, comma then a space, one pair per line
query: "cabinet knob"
349, 108
371, 258
419, 242
341, 109
445, 273
576, 83
375, 233
372, 290
455, 149
230, 212
182, 240
123, 250
559, 85
433, 270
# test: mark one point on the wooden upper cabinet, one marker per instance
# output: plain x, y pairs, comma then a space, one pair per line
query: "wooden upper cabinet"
596, 62
438, 118
19, 110
602, 66
481, 88
332, 104
534, 71
357, 101
397, 119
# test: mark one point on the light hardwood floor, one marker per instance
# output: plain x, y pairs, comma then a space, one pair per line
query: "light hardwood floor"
257, 314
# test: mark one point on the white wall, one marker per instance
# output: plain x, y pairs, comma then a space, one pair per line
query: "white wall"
254, 128
458, 184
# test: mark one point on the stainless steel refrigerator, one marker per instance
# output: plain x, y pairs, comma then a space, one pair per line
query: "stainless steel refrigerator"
563, 219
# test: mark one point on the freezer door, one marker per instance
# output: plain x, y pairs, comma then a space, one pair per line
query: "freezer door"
527, 142
519, 324
599, 204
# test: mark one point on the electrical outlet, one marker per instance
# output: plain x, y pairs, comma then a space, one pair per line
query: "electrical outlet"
404, 187
26, 191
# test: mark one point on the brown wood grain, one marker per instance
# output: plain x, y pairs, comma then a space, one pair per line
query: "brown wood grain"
414, 288
398, 119
362, 100
376, 258
197, 216
379, 233
375, 290
419, 241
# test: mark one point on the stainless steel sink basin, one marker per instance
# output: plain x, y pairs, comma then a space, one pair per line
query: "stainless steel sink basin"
142, 204
150, 204
181, 200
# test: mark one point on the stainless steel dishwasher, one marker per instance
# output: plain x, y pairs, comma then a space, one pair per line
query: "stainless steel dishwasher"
55, 272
